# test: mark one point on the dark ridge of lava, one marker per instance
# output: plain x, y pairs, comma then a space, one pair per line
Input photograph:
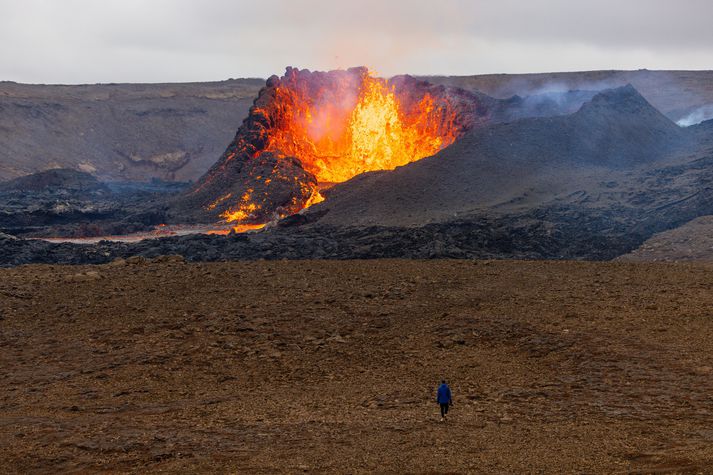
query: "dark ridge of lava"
280, 186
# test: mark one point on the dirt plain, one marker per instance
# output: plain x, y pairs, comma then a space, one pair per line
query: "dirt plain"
324, 366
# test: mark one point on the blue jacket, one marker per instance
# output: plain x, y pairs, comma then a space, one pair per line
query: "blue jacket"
444, 394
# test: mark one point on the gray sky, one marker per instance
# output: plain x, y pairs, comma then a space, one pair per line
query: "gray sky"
87, 41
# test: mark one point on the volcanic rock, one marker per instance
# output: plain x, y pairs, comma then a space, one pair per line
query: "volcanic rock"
271, 186
65, 202
619, 128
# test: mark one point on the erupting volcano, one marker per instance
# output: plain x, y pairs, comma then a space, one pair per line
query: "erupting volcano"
309, 130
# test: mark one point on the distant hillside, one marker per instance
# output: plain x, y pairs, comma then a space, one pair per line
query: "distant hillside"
177, 131
675, 93
120, 131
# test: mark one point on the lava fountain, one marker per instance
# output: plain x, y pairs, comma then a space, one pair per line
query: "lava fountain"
356, 126
309, 130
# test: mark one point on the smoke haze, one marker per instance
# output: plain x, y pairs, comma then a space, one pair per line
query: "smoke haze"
697, 116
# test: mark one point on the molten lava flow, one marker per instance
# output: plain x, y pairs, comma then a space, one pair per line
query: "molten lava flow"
340, 134
245, 208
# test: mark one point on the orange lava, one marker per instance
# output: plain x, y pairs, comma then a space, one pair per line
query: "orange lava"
243, 211
240, 228
364, 130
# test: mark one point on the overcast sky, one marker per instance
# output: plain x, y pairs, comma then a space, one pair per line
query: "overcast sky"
87, 41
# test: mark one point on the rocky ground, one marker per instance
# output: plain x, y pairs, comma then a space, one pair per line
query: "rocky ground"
272, 367
565, 234
68, 203
691, 242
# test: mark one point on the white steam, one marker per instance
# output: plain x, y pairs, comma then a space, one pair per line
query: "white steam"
697, 116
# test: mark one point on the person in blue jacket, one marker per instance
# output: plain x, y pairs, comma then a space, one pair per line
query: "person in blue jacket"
444, 399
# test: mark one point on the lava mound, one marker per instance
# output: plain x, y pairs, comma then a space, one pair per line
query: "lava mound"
308, 130
58, 178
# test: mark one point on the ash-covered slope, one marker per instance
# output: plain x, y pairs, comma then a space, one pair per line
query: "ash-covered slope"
546, 104
120, 131
512, 166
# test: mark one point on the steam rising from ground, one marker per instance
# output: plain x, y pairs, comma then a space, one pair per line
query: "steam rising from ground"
697, 116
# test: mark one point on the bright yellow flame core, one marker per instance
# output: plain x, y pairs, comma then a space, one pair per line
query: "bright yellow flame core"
373, 131
379, 139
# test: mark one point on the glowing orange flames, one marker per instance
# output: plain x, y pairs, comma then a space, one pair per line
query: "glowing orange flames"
243, 211
367, 131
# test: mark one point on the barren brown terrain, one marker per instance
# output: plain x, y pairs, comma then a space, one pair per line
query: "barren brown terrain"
692, 241
284, 367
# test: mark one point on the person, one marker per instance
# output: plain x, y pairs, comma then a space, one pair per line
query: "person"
444, 399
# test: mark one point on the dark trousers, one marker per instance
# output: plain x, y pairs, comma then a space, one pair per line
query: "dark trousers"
444, 409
